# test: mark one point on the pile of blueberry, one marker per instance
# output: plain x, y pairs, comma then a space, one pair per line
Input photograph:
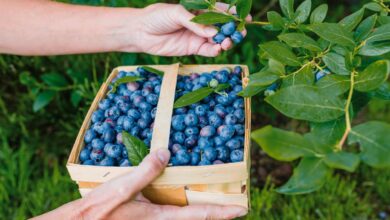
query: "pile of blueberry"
212, 130
131, 108
228, 30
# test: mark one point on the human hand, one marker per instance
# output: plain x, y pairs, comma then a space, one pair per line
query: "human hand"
166, 29
121, 198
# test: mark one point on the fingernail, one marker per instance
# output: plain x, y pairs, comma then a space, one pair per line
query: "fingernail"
163, 155
210, 31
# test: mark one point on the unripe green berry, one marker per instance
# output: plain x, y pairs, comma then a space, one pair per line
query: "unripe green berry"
213, 83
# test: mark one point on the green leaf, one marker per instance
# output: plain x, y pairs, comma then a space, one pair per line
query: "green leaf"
221, 87
329, 133
195, 4
300, 40
373, 76
384, 20
282, 145
75, 98
382, 33
342, 160
383, 92
210, 18
153, 70
275, 19
26, 79
280, 52
373, 6
276, 67
287, 7
54, 79
336, 63
365, 28
333, 33
122, 80
303, 11
251, 90
304, 76
319, 14
309, 176
307, 103
334, 84
263, 78
193, 97
351, 21
373, 138
375, 49
136, 149
244, 8
43, 99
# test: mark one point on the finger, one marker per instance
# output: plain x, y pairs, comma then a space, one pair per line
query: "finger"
108, 196
227, 44
232, 10
184, 17
141, 198
204, 212
209, 50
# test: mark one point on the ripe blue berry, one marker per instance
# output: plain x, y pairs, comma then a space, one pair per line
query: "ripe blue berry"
97, 116
209, 153
178, 137
124, 163
107, 161
89, 162
152, 99
237, 37
217, 162
195, 158
240, 115
147, 117
191, 131
226, 131
190, 141
204, 162
135, 131
146, 133
142, 123
128, 123
157, 89
145, 107
104, 104
132, 86
176, 147
228, 28
178, 122
240, 129
182, 157
223, 153
200, 110
214, 120
237, 70
89, 136
137, 100
233, 144
112, 113
238, 103
191, 119
84, 154
204, 142
203, 121
204, 79
321, 74
218, 38
207, 131
109, 136
182, 110
97, 144
218, 141
113, 150
230, 119
96, 155
119, 138
153, 113
237, 155
220, 110
222, 76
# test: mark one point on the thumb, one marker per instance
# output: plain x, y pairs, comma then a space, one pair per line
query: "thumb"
184, 18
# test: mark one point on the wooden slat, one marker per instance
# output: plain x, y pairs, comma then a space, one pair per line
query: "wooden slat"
201, 198
166, 195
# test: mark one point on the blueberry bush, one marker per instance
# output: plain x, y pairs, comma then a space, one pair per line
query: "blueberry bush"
320, 72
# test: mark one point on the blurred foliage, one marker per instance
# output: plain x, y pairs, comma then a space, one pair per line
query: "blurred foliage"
34, 145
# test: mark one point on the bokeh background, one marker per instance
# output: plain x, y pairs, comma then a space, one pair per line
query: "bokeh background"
34, 145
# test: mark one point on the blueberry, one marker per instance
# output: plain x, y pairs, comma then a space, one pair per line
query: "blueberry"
240, 115
190, 141
134, 113
212, 103
176, 147
152, 99
135, 131
107, 161
146, 133
109, 135
230, 110
146, 91
97, 144
182, 110
110, 97
213, 83
88, 162
178, 137
209, 153
188, 86
104, 104
113, 150
141, 70
204, 142
207, 131
124, 163
218, 141
269, 92
135, 94
110, 122
183, 157
239, 129
97, 155
222, 76
118, 129
89, 136
97, 116
128, 123
218, 38
191, 119
84, 154
147, 117
223, 153
145, 107
195, 158
214, 120
220, 110
237, 155
228, 28
194, 76
157, 89
233, 144
200, 110
226, 131
120, 74
204, 162
147, 141
382, 215
137, 100
223, 99
191, 131
125, 154
173, 161
132, 86
204, 79
131, 74
112, 113
238, 103
203, 121
124, 107
273, 86
196, 87
237, 70
178, 122
142, 123
230, 119
196, 149
237, 37
321, 74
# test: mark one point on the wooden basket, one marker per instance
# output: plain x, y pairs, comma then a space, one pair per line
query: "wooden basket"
223, 184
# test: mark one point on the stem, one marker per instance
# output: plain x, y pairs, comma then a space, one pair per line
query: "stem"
339, 147
258, 22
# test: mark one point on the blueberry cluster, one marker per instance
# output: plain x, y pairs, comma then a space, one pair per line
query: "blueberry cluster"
228, 30
212, 130
131, 108
321, 74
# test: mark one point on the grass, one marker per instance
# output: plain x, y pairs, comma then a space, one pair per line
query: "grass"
34, 145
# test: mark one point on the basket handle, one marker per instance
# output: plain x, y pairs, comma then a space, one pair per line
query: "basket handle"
162, 122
